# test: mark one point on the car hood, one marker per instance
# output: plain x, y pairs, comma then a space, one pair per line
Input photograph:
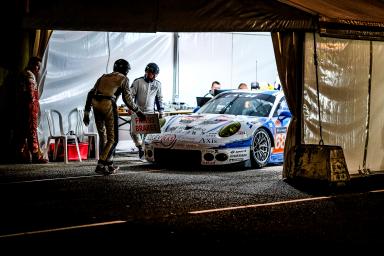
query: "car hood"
205, 123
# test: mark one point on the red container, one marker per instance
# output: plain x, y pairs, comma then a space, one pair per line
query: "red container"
72, 153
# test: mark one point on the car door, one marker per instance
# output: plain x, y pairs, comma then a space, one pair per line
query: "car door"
281, 118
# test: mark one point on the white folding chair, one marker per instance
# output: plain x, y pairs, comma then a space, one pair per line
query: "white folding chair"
56, 133
76, 124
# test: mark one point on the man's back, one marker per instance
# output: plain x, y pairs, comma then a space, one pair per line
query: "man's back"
110, 83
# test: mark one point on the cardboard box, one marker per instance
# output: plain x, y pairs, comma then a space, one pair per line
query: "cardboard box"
72, 154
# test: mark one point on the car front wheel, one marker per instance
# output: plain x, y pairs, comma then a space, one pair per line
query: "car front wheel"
261, 148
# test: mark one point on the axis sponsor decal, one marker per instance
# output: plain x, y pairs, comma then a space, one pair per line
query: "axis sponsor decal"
208, 140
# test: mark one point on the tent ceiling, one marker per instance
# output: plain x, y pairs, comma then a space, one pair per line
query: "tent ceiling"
357, 10
358, 19
166, 15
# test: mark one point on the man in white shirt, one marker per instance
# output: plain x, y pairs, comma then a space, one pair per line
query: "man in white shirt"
146, 91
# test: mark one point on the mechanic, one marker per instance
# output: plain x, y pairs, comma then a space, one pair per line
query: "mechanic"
146, 91
102, 98
214, 86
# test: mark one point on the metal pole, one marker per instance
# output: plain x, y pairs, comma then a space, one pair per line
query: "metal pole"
175, 92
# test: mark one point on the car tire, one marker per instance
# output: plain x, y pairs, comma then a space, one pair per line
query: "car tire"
261, 148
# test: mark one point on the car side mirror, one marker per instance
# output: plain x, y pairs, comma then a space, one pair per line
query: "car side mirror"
284, 114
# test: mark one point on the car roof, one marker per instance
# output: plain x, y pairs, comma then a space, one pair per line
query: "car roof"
268, 92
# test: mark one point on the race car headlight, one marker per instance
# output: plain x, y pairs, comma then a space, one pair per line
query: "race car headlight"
230, 129
162, 122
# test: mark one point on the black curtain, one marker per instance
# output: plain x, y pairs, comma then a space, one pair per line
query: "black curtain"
289, 54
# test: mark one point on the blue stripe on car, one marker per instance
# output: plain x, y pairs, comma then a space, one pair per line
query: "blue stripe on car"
237, 144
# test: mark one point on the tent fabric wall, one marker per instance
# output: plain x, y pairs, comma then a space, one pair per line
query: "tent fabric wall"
345, 101
230, 58
74, 61
375, 156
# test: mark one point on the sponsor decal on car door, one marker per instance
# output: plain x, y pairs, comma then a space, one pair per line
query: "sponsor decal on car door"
280, 134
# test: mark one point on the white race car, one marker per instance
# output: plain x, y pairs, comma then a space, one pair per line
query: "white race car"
235, 127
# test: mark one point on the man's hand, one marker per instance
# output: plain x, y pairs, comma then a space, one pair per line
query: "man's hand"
86, 118
140, 114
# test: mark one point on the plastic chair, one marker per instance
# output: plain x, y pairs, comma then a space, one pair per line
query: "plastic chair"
56, 133
76, 124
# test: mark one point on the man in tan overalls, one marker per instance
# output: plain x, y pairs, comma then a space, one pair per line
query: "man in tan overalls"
102, 98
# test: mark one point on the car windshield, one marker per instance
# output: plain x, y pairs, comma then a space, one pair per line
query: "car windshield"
249, 104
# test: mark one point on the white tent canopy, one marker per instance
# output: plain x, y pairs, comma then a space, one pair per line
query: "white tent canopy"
76, 59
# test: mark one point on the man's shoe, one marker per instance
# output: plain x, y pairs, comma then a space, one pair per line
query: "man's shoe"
141, 153
112, 169
101, 169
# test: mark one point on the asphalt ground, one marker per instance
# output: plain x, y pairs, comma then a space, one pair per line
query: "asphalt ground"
184, 209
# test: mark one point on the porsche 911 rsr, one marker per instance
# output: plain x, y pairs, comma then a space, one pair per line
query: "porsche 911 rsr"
235, 127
